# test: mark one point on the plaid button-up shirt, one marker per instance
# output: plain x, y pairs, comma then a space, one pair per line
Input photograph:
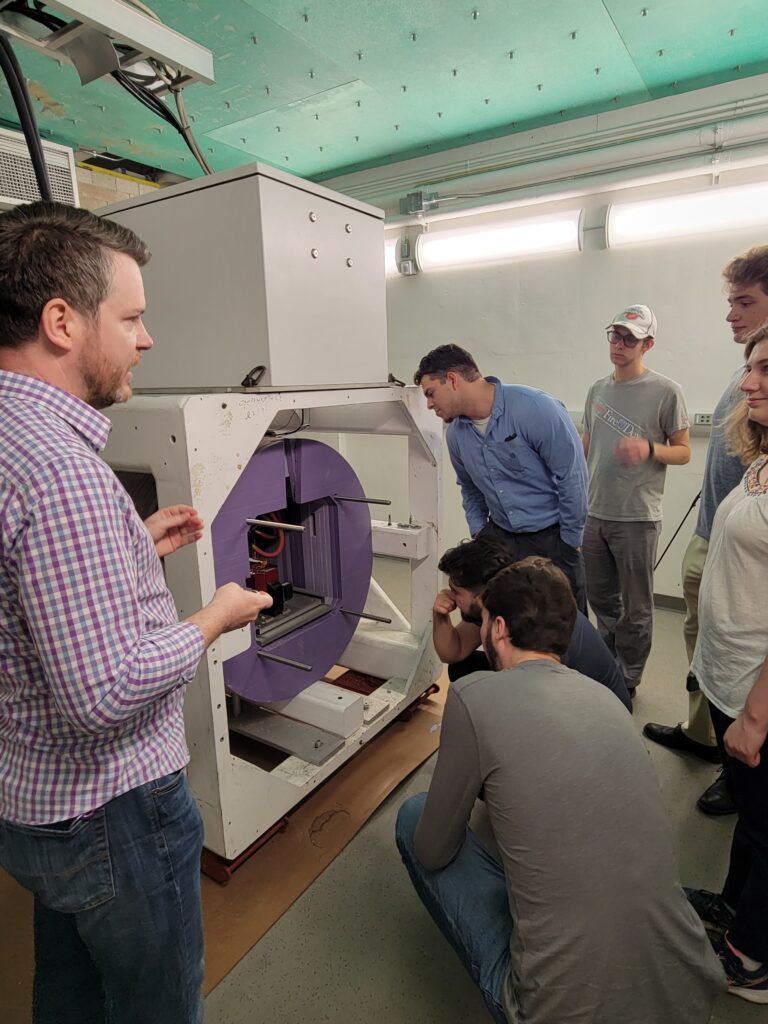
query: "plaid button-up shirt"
93, 659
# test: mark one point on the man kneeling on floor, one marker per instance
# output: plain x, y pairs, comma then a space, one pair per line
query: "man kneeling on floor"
584, 920
469, 566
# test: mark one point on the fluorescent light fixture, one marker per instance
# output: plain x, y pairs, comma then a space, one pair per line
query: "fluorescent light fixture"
554, 232
696, 213
390, 260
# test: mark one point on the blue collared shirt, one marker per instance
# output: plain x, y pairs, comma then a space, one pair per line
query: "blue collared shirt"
528, 471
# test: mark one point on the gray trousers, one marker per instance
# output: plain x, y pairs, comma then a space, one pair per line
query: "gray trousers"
619, 559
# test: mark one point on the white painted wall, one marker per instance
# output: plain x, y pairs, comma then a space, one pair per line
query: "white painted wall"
541, 322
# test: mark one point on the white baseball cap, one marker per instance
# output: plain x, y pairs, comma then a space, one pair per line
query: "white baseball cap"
639, 320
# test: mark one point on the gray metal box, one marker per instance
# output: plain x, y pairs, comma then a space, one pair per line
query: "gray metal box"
257, 267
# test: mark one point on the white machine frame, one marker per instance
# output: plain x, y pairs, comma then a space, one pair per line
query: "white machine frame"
196, 445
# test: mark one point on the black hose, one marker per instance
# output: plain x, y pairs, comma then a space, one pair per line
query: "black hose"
15, 79
682, 521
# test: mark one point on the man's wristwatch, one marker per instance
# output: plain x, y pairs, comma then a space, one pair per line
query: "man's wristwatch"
651, 451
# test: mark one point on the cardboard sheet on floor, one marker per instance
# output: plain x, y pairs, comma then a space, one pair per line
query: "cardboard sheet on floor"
238, 914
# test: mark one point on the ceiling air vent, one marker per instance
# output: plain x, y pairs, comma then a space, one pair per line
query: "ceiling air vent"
17, 176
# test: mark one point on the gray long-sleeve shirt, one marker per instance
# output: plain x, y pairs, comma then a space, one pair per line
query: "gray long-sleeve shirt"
602, 932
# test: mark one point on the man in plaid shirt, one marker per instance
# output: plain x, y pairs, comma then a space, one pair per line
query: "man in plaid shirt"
96, 819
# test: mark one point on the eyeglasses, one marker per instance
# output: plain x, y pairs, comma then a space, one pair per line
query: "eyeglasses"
627, 340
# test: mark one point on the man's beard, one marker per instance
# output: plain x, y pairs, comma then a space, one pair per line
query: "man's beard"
103, 382
472, 617
491, 653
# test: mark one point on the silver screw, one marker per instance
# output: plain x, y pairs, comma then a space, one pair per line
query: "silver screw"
348, 228
349, 262
313, 217
315, 253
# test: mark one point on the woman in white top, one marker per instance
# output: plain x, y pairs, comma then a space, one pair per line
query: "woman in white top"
731, 664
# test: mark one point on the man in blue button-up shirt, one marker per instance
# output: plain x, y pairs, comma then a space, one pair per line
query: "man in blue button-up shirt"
518, 460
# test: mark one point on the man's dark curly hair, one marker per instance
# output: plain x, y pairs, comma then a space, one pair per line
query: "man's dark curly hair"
447, 359
473, 562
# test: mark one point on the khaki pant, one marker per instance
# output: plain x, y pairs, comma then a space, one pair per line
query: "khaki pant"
699, 724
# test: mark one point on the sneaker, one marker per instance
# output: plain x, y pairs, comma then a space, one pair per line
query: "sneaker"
746, 984
711, 908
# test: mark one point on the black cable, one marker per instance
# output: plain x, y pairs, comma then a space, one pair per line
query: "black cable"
682, 521
15, 79
304, 422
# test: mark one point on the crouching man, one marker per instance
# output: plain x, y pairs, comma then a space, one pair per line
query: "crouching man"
583, 920
469, 567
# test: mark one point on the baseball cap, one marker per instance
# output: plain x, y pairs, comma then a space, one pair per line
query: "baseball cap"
639, 320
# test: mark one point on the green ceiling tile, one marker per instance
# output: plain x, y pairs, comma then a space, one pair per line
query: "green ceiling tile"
331, 120
700, 44
281, 62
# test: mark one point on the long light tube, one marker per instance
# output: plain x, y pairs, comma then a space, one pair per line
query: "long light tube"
550, 233
697, 213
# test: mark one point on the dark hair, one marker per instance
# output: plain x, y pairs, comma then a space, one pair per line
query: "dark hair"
52, 250
447, 359
746, 438
749, 268
537, 604
473, 562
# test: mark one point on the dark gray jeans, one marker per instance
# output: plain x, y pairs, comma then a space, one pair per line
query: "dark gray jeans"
546, 543
619, 559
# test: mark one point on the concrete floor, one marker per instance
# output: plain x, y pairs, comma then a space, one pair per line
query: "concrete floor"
358, 947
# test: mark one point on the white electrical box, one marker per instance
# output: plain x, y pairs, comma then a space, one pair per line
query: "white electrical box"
259, 268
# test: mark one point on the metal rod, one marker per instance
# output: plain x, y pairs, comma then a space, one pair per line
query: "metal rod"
285, 661
276, 526
365, 501
365, 615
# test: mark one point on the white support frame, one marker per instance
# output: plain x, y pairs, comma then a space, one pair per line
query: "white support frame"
196, 446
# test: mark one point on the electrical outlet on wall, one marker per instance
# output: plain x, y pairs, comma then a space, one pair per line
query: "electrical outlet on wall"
702, 419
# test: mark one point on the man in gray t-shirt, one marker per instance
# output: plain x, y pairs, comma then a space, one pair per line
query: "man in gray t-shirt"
583, 920
635, 425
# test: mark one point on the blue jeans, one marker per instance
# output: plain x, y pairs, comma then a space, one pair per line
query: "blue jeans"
118, 923
468, 902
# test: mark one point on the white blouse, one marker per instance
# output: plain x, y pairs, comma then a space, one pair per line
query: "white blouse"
732, 644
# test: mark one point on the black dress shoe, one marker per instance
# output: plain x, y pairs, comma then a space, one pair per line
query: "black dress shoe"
716, 799
674, 738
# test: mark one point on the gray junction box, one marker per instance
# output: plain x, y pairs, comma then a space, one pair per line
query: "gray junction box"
312, 311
